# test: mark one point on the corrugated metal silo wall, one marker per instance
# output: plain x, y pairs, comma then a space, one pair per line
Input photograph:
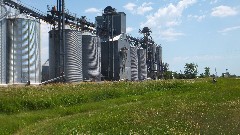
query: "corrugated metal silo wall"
45, 73
3, 53
134, 63
91, 57
105, 62
87, 49
54, 51
100, 56
142, 67
154, 64
23, 46
159, 58
73, 56
123, 65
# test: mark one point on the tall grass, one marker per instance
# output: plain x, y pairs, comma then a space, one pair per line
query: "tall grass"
17, 99
152, 107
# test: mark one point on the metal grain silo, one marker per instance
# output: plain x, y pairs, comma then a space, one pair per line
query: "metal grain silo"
45, 71
142, 67
134, 63
154, 62
54, 52
123, 58
159, 58
73, 56
23, 47
3, 53
91, 47
69, 61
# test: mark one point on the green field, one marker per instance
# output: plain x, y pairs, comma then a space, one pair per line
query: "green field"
152, 107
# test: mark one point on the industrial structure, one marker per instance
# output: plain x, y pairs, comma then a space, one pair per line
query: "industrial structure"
78, 50
68, 60
116, 60
20, 49
45, 71
142, 67
23, 51
3, 49
91, 57
134, 63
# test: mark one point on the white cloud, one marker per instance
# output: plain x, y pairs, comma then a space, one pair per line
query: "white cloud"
130, 6
145, 7
167, 17
213, 1
93, 10
223, 11
173, 23
129, 29
140, 10
199, 18
170, 34
224, 31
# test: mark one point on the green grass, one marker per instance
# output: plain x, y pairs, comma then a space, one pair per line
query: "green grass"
152, 107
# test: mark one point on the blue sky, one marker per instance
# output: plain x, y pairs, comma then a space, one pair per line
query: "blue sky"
205, 32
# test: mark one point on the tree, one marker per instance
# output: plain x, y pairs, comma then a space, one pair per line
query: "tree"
165, 67
166, 73
190, 70
201, 75
207, 72
178, 75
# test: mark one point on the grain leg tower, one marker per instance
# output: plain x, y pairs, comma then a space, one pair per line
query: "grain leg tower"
3, 53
